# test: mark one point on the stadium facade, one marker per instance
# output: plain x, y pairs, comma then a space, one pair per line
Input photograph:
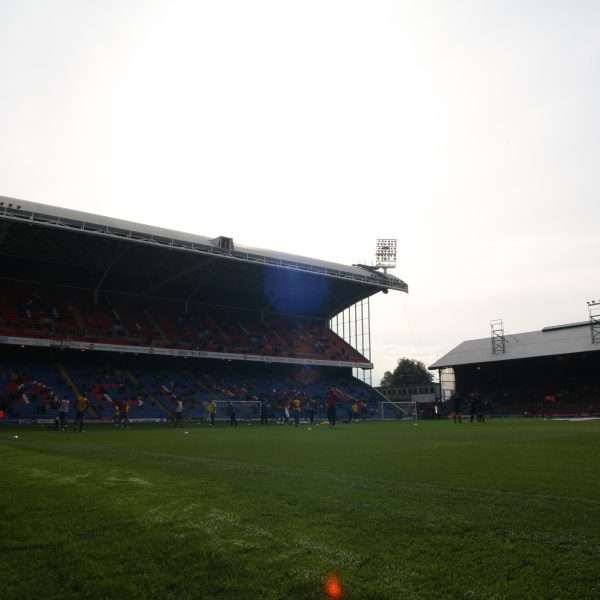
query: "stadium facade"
74, 282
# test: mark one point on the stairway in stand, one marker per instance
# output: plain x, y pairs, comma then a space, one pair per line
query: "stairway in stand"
157, 401
73, 387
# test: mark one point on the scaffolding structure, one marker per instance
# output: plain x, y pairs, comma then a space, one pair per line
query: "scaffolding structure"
594, 310
353, 325
498, 338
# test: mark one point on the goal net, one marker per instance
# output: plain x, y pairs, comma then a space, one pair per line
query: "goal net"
398, 410
245, 410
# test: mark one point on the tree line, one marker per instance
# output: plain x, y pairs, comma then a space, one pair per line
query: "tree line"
407, 372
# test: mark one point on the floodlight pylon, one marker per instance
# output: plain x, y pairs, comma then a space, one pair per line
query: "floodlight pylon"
594, 311
498, 339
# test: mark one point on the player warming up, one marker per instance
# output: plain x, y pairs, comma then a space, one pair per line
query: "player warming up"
81, 407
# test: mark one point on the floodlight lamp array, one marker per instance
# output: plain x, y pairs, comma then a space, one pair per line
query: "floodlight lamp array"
385, 253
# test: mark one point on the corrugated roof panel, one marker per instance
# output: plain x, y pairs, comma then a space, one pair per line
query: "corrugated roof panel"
553, 341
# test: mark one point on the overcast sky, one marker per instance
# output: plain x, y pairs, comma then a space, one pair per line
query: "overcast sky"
469, 130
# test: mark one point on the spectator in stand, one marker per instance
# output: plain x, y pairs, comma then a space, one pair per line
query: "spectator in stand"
63, 411
81, 406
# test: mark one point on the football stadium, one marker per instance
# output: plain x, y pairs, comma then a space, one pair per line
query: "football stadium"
187, 417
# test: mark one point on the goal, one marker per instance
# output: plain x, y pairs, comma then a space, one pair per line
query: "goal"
245, 410
394, 411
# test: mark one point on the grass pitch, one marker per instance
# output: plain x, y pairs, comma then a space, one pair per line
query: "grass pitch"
508, 509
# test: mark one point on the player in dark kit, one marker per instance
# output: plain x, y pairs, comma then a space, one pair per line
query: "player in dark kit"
331, 403
264, 412
310, 409
457, 405
473, 406
481, 407
232, 417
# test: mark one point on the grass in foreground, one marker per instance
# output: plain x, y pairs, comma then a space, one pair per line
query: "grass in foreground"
509, 509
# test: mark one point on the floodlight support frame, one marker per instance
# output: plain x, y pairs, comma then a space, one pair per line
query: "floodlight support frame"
498, 338
594, 312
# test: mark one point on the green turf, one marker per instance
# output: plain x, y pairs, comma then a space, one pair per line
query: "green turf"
508, 509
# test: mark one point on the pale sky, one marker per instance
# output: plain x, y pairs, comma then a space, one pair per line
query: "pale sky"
469, 130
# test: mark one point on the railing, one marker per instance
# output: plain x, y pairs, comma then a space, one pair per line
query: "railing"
184, 353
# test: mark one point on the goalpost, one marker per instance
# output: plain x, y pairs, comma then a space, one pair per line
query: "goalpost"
394, 411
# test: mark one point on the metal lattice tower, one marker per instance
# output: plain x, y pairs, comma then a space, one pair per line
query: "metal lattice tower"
594, 310
498, 339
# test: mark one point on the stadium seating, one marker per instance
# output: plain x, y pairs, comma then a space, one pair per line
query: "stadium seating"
538, 401
70, 314
32, 380
29, 391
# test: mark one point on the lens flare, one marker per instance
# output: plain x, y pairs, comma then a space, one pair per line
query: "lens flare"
333, 587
